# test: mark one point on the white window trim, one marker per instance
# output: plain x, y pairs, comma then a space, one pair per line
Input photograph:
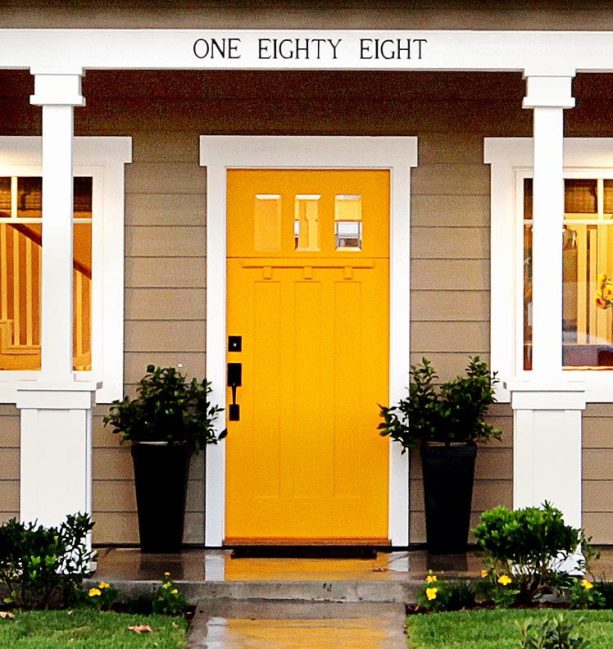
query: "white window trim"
102, 158
511, 160
398, 154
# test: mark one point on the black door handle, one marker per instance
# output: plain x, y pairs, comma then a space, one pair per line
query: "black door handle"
234, 380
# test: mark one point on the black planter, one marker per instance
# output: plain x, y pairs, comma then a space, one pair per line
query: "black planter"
160, 477
448, 475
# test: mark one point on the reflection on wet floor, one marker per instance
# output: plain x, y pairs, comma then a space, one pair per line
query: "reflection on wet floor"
219, 565
276, 625
335, 634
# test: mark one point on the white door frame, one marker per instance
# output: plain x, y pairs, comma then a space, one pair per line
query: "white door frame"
219, 153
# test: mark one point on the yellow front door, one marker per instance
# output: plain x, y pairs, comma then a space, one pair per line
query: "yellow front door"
308, 322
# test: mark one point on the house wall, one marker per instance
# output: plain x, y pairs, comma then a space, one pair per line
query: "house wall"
165, 293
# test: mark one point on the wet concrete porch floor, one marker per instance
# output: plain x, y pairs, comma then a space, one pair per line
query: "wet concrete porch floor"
129, 564
196, 565
274, 603
297, 625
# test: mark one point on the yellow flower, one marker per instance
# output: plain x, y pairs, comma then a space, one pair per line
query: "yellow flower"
167, 585
504, 580
430, 579
103, 584
174, 591
484, 573
431, 593
588, 585
94, 592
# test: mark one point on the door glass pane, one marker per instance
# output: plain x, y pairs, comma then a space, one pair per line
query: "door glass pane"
306, 222
267, 222
348, 221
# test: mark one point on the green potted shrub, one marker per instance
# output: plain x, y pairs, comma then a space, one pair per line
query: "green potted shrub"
168, 421
445, 422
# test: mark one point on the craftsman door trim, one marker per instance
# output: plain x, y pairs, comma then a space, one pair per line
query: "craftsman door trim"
220, 153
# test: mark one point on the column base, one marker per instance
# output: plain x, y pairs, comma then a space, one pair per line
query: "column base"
56, 450
547, 422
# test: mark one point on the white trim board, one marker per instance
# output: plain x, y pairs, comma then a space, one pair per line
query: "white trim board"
102, 158
511, 161
398, 154
168, 49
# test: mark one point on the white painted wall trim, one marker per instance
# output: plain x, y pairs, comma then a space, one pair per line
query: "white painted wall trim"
511, 162
503, 50
399, 154
102, 158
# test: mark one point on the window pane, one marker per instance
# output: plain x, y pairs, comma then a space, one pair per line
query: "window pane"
5, 197
30, 197
82, 296
580, 198
527, 297
588, 287
306, 222
83, 198
527, 198
20, 263
608, 198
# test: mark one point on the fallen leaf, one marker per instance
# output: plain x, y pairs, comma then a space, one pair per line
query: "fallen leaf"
5, 615
140, 628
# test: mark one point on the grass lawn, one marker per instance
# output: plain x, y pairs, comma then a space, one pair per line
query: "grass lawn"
89, 629
496, 629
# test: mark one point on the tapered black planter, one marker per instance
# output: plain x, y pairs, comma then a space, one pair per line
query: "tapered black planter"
448, 475
160, 476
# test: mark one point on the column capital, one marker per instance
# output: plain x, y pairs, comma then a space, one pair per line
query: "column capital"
55, 86
543, 394
549, 91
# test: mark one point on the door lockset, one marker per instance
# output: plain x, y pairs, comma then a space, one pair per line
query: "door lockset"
234, 380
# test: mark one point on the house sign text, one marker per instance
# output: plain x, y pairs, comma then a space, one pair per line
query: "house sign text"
308, 49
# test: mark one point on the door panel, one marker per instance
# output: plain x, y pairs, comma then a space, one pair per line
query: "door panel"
310, 300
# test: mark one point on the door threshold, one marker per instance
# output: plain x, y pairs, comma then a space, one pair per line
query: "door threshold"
307, 548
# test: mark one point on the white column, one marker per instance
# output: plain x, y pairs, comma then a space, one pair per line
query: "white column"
547, 408
58, 93
548, 97
56, 410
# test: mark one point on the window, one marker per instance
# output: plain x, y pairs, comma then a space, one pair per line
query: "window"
97, 262
587, 273
587, 249
21, 245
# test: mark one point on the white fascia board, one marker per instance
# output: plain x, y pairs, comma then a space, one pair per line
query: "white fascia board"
537, 52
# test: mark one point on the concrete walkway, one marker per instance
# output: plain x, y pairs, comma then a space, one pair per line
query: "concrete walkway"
227, 624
